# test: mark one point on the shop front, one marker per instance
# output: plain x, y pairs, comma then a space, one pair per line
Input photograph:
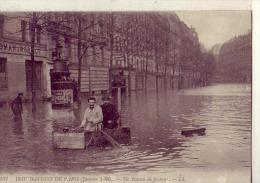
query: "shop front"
15, 69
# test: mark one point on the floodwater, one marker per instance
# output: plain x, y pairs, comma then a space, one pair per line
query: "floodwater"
157, 145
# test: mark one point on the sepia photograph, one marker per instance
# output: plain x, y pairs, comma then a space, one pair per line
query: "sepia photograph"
126, 96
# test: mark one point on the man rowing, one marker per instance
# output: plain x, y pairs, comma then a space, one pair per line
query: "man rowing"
92, 121
93, 116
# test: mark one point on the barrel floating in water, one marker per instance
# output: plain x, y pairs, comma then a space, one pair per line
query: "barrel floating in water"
190, 131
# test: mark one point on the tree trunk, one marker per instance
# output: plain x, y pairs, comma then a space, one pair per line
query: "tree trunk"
79, 60
157, 87
129, 76
165, 77
33, 24
111, 51
146, 70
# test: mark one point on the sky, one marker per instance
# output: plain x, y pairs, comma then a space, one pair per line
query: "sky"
216, 27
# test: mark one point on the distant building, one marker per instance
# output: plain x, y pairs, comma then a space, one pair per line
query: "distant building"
216, 49
235, 60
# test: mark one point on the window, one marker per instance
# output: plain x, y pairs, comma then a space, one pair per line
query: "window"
2, 20
23, 28
3, 73
37, 32
68, 48
94, 54
102, 55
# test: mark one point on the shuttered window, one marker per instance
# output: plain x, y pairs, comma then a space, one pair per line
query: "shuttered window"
3, 73
2, 20
23, 28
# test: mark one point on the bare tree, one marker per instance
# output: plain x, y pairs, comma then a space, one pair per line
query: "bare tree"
80, 24
33, 25
111, 41
37, 21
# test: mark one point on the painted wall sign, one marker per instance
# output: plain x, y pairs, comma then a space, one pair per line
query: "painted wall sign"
18, 48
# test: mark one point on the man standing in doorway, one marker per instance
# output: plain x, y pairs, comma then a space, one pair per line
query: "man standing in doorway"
93, 117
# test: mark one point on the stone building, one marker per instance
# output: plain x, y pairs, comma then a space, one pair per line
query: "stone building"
15, 59
235, 60
142, 50
156, 48
69, 30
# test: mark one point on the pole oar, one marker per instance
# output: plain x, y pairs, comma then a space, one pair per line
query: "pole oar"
110, 139
91, 139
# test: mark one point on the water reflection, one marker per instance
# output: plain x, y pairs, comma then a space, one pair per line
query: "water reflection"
17, 125
156, 121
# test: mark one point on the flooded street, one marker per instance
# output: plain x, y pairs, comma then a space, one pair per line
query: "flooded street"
156, 121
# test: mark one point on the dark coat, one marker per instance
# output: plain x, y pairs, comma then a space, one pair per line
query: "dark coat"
17, 106
109, 113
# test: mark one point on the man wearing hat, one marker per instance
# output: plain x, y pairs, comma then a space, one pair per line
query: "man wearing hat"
110, 113
17, 106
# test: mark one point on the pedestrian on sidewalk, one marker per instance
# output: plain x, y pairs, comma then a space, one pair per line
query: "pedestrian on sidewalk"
110, 113
17, 106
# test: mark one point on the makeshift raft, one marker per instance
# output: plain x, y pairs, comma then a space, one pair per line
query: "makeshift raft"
190, 131
77, 139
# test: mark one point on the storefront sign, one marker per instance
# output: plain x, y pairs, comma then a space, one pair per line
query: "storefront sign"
63, 96
16, 48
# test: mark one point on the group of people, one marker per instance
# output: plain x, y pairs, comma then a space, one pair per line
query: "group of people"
97, 117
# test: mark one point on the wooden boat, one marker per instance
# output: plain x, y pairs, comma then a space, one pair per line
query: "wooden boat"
67, 138
190, 131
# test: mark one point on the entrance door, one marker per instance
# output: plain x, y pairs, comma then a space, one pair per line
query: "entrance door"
38, 75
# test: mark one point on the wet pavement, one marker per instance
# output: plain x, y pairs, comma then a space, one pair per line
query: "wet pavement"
156, 121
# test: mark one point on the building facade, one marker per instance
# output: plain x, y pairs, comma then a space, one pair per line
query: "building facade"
15, 58
235, 60
145, 51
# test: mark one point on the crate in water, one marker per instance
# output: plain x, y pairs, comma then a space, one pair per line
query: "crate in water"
70, 140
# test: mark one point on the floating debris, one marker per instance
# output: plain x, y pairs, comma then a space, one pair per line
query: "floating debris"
191, 130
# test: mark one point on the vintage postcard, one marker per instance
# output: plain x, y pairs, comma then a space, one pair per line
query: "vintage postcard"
117, 92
